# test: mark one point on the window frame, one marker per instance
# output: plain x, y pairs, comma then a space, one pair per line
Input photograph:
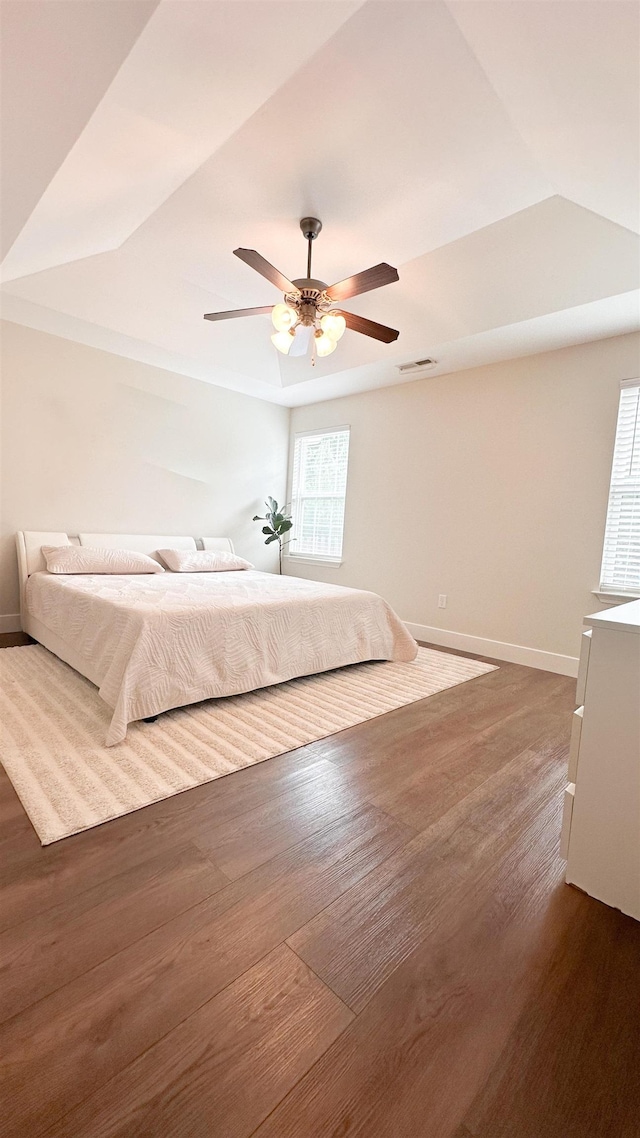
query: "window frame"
312, 558
606, 591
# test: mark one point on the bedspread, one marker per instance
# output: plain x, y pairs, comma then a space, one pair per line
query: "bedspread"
157, 642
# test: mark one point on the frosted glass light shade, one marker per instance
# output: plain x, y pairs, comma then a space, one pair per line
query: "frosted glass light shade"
283, 317
325, 345
333, 325
282, 341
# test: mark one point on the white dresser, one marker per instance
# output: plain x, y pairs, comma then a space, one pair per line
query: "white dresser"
601, 820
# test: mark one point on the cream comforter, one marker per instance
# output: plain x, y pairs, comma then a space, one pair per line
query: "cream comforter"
156, 642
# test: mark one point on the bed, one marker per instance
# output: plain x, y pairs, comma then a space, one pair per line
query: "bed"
151, 642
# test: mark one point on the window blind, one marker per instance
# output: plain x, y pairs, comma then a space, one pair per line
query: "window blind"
621, 556
318, 492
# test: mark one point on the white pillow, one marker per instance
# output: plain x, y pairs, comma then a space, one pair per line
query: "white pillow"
82, 559
201, 561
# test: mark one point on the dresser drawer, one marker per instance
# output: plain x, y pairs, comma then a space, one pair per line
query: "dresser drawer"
574, 745
567, 815
583, 666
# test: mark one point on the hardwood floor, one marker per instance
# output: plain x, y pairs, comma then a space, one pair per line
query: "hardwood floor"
14, 639
367, 936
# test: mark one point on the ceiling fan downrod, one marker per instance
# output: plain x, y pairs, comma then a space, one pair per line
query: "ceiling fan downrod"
310, 227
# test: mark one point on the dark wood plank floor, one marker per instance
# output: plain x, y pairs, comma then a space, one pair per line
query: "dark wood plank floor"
367, 936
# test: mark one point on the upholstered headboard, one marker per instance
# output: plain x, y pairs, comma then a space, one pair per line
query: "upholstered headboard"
140, 542
29, 545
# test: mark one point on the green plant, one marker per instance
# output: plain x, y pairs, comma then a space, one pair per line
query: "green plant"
278, 524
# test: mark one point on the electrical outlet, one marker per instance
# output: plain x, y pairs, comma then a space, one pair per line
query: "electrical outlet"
442, 601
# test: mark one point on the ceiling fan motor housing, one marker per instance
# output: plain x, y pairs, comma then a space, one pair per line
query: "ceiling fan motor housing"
312, 299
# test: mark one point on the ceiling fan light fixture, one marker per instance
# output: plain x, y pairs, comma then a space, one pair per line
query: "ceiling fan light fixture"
333, 325
325, 345
283, 317
283, 340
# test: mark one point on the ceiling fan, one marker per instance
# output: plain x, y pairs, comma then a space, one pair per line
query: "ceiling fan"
307, 317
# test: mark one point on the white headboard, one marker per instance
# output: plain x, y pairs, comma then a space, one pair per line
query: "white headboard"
29, 545
140, 542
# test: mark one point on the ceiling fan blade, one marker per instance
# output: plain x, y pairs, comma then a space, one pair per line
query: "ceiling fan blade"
369, 327
255, 261
301, 340
375, 277
238, 312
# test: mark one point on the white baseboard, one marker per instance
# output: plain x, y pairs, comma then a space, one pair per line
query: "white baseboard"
10, 622
512, 653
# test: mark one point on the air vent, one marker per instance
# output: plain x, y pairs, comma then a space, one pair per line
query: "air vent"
418, 365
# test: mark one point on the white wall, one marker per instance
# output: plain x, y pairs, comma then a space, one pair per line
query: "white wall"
489, 486
92, 441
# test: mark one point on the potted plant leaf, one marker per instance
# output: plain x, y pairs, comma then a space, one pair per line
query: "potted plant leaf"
278, 524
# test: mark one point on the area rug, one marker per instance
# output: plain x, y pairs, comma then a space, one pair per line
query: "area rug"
53, 723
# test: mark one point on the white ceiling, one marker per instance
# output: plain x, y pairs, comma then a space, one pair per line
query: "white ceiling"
489, 150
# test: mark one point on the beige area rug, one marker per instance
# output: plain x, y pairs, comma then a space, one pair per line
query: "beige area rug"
54, 723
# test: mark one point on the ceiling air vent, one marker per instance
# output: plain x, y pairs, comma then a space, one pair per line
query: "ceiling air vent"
418, 365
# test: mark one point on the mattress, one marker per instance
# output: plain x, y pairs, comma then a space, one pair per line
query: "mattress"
153, 642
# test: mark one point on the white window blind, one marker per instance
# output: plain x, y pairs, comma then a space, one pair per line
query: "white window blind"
621, 557
318, 491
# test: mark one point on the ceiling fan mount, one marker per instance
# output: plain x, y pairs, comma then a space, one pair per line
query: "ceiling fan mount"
310, 227
306, 317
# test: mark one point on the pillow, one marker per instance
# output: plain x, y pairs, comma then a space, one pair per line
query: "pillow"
82, 559
201, 561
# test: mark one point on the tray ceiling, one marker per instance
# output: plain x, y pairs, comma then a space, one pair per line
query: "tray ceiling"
489, 150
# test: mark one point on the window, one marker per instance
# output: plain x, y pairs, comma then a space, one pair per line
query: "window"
318, 493
621, 557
